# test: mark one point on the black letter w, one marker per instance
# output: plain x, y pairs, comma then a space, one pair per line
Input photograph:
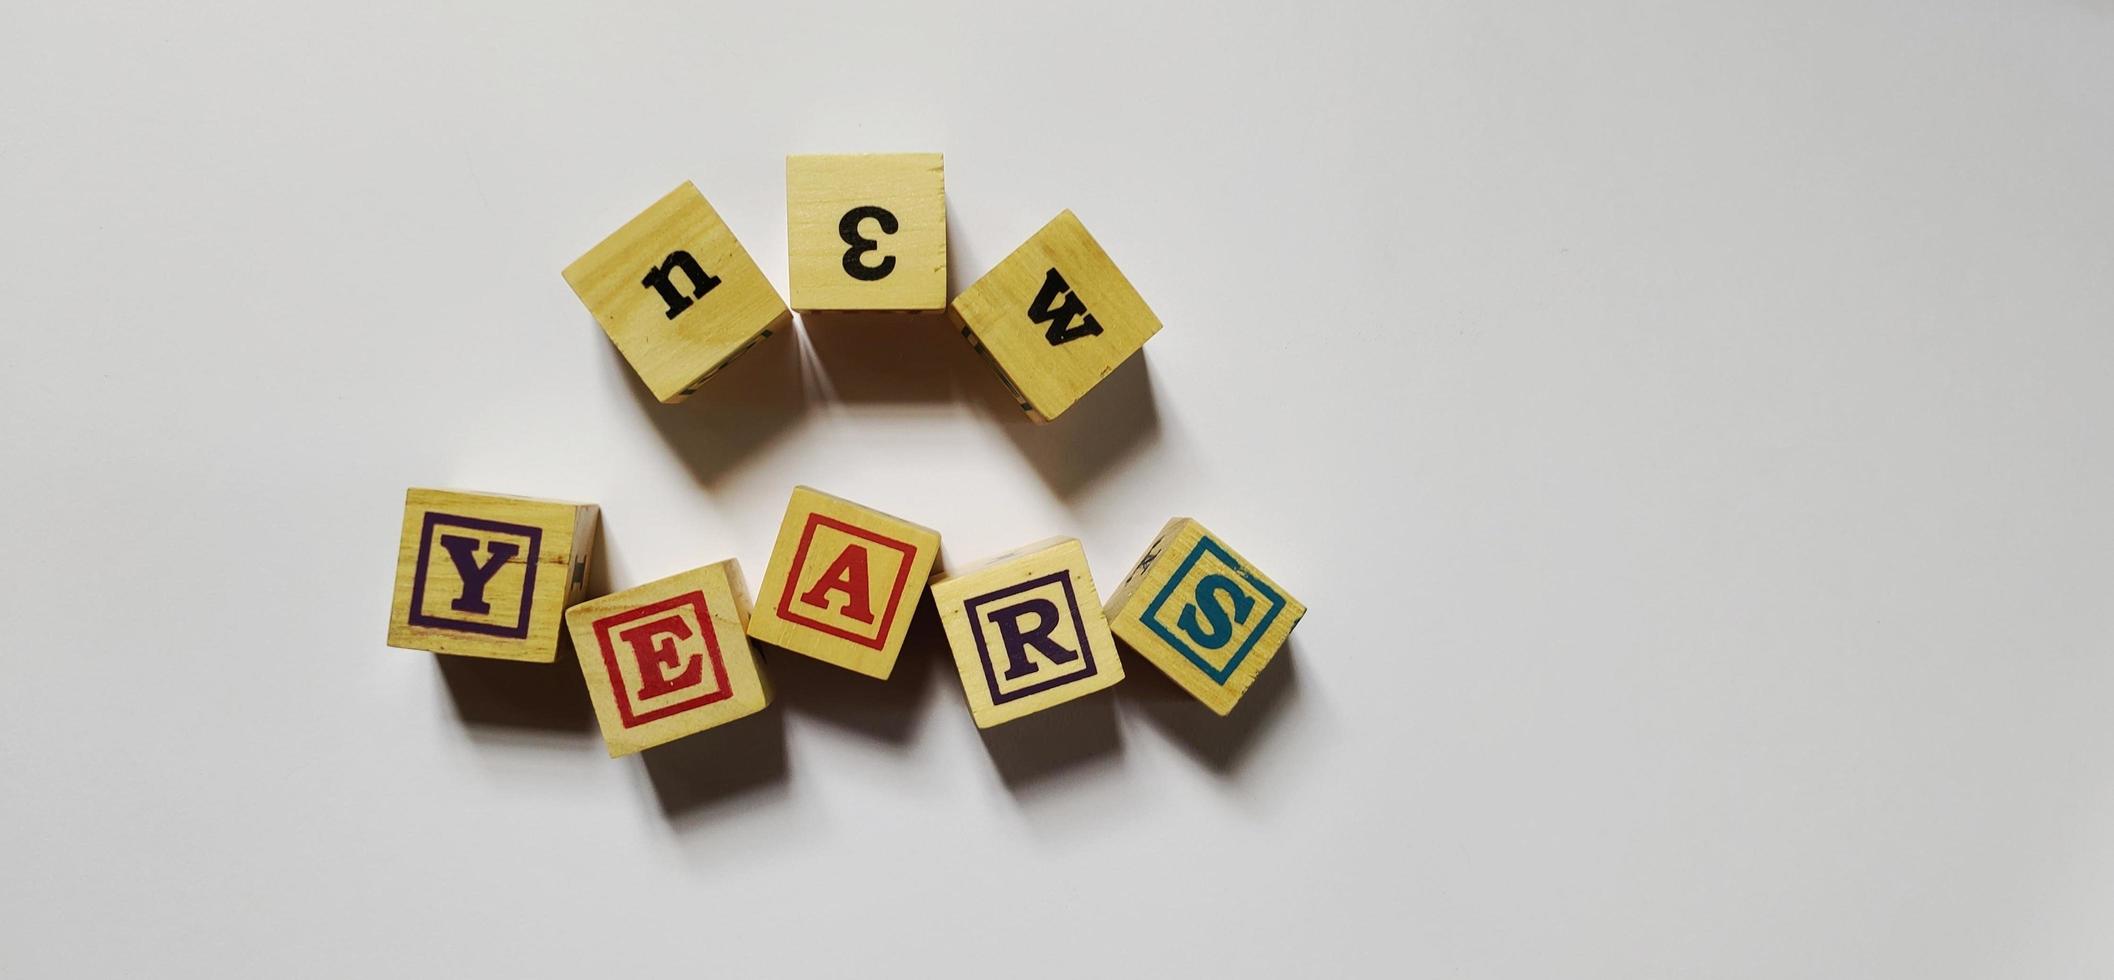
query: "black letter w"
1060, 319
700, 282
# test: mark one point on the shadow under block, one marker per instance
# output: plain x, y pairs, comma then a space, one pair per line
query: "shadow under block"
867, 232
1027, 631
1055, 317
677, 294
669, 658
488, 575
1202, 614
843, 582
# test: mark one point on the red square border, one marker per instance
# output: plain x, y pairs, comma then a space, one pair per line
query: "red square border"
895, 595
632, 718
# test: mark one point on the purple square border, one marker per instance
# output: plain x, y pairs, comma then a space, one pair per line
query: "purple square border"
435, 520
983, 652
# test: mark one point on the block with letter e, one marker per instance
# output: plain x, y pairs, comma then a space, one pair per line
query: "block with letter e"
1054, 317
488, 575
843, 582
1026, 630
867, 231
1201, 613
677, 294
669, 658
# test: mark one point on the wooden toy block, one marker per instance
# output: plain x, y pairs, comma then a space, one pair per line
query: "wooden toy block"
669, 658
1027, 631
677, 294
1202, 614
1055, 317
843, 582
488, 575
867, 232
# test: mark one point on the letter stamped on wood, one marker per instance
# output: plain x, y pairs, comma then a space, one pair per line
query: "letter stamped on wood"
487, 575
677, 294
1202, 614
843, 582
867, 231
1026, 630
669, 658
1054, 318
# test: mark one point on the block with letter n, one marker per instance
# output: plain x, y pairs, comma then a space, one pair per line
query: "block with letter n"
1026, 630
488, 575
843, 582
1204, 615
1054, 318
867, 231
677, 294
669, 658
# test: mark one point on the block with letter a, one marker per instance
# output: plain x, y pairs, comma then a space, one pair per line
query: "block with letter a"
1027, 631
1204, 615
1054, 318
669, 658
677, 294
843, 582
488, 575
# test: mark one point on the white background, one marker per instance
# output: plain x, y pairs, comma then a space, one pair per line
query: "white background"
1687, 421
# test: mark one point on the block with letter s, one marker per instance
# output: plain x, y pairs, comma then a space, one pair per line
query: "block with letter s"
1204, 615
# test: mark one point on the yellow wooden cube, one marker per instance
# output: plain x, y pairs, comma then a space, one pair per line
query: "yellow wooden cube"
1202, 614
488, 575
1055, 317
867, 232
843, 582
1027, 631
677, 294
669, 658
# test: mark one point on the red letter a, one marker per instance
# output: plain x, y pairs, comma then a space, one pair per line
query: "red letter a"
847, 575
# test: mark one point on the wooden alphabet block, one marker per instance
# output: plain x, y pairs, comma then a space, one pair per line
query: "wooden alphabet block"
677, 294
1055, 317
843, 582
669, 658
867, 232
1027, 631
1202, 614
488, 575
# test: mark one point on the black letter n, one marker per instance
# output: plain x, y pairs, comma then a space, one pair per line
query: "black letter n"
1060, 319
700, 282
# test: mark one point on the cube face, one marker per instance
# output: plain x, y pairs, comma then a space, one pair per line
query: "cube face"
677, 294
488, 575
843, 582
1202, 614
1027, 631
867, 232
669, 658
1055, 317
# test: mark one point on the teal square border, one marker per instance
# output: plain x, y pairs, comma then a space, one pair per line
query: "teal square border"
1152, 621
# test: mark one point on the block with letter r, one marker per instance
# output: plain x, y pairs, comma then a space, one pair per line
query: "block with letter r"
843, 582
677, 294
1202, 614
669, 658
487, 575
1026, 630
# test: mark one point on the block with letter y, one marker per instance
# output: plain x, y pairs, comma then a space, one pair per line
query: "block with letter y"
488, 575
1204, 615
1026, 630
1054, 318
677, 294
669, 658
843, 582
